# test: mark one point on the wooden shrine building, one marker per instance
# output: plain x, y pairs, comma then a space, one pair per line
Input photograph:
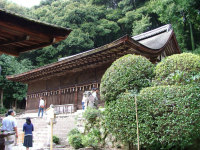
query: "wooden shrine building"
64, 82
19, 34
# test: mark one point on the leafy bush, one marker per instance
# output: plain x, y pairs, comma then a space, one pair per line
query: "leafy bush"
197, 50
129, 72
92, 139
73, 131
56, 139
178, 69
95, 126
75, 141
120, 119
169, 116
3, 110
91, 115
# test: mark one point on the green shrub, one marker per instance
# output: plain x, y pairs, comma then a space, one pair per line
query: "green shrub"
197, 50
169, 116
178, 69
91, 115
56, 139
120, 119
75, 141
129, 72
3, 110
73, 131
92, 139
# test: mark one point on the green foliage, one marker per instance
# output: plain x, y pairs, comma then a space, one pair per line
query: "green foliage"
3, 110
141, 25
129, 72
178, 69
74, 131
12, 90
95, 129
120, 118
91, 115
9, 5
197, 50
180, 13
75, 141
98, 22
92, 139
169, 116
56, 139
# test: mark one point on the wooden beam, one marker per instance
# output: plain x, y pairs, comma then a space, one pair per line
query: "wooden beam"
9, 52
36, 46
16, 40
13, 28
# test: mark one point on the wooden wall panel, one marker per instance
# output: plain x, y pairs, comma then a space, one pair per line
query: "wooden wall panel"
37, 86
86, 76
53, 83
69, 80
100, 72
33, 103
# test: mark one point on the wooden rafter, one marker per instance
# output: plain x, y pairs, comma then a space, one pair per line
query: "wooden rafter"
16, 40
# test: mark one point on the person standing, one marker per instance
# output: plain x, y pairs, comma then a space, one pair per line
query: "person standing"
10, 124
41, 106
83, 101
28, 136
94, 94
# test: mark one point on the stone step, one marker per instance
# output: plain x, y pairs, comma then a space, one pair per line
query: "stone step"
64, 124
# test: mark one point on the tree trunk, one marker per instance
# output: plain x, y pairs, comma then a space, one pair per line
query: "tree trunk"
192, 37
15, 105
131, 146
2, 98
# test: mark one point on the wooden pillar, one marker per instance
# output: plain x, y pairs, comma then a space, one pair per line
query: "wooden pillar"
2, 98
26, 103
60, 97
76, 98
59, 93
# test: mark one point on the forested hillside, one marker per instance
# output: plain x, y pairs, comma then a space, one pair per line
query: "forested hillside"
98, 22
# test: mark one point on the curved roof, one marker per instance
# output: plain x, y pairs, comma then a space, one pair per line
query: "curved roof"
19, 34
149, 45
155, 39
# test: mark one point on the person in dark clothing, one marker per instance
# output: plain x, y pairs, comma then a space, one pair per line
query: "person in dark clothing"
28, 136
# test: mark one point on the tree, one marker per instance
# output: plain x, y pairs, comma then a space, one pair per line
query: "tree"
12, 91
184, 17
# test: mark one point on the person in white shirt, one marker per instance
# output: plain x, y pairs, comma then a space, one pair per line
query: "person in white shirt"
10, 124
41, 106
83, 101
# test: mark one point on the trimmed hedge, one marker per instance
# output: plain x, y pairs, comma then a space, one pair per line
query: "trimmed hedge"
129, 72
178, 69
169, 116
120, 119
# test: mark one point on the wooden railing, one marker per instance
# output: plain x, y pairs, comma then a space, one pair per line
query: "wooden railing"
64, 109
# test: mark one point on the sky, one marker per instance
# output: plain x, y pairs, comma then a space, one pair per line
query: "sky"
27, 3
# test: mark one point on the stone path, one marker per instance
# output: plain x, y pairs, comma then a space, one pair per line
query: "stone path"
65, 123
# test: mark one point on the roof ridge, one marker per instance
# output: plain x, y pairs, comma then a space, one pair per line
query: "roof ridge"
153, 32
